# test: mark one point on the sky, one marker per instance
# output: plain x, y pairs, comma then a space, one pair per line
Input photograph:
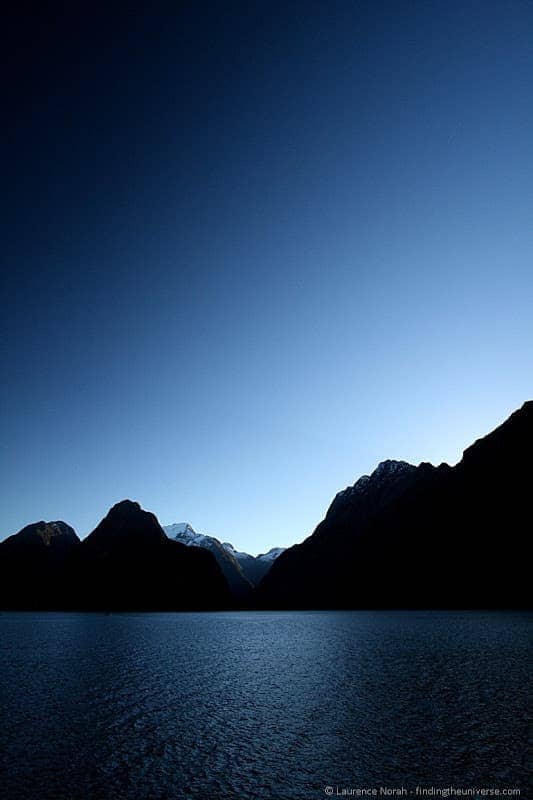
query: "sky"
250, 250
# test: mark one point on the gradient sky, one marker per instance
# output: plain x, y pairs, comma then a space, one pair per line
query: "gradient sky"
253, 249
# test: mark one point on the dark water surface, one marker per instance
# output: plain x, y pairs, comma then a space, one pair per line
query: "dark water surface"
260, 705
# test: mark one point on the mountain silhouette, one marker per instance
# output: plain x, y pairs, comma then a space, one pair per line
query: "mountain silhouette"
402, 537
126, 563
33, 566
129, 563
421, 537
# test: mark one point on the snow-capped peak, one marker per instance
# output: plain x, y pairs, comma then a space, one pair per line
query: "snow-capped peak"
185, 533
253, 567
272, 554
178, 528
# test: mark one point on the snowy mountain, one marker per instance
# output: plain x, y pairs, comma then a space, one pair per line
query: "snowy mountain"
183, 532
254, 567
242, 570
272, 554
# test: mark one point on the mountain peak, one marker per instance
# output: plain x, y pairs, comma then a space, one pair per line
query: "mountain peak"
126, 520
50, 534
387, 478
125, 507
385, 471
236, 566
179, 529
225, 555
50, 531
271, 554
390, 467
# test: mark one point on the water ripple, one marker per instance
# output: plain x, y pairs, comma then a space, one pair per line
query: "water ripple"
260, 705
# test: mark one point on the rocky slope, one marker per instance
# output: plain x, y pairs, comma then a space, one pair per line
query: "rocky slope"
421, 537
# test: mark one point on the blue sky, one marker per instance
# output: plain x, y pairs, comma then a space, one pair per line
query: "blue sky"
252, 252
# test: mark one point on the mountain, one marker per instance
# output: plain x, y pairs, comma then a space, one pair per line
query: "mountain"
254, 567
238, 583
414, 537
402, 537
241, 570
32, 565
128, 562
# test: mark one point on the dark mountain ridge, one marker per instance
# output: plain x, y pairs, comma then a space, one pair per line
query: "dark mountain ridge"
402, 537
421, 537
126, 563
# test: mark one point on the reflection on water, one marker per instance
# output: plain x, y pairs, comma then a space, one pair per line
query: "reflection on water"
260, 705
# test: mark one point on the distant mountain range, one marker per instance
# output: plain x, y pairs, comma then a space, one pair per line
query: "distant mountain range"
241, 570
254, 567
402, 537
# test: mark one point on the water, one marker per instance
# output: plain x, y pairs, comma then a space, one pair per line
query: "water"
260, 705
